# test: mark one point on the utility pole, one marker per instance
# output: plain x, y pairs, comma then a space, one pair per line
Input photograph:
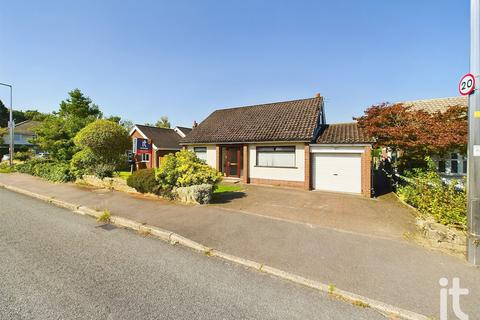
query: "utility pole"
473, 179
11, 125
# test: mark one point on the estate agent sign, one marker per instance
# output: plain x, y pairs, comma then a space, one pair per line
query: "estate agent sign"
142, 145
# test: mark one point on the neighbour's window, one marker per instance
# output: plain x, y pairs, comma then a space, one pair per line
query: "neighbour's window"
145, 157
201, 152
454, 163
276, 156
441, 166
465, 164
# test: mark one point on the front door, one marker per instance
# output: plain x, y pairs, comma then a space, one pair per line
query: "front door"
232, 157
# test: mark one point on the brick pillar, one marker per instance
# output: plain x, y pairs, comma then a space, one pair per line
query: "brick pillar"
218, 158
308, 167
367, 172
155, 159
245, 178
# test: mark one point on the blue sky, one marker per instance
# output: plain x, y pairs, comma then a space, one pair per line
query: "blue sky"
144, 59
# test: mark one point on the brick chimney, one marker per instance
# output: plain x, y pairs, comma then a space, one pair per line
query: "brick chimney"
195, 124
317, 95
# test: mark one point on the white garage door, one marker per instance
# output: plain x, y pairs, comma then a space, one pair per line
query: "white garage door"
337, 172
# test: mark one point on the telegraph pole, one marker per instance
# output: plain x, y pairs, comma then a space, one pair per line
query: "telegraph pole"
473, 178
11, 125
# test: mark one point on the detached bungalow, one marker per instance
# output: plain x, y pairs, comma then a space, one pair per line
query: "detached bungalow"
285, 144
161, 141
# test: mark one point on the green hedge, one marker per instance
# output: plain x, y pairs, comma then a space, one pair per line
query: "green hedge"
143, 181
47, 169
444, 202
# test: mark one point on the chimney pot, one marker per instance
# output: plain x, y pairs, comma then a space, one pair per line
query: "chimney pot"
195, 124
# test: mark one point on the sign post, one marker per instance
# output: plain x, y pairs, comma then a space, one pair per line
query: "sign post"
473, 173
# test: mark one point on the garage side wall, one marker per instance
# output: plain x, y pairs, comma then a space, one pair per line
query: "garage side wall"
367, 172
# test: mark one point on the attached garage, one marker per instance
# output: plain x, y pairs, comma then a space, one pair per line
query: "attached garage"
337, 172
341, 160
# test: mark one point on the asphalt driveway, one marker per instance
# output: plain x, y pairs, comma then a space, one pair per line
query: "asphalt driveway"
382, 217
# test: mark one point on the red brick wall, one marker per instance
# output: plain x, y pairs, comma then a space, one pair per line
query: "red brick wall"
308, 166
139, 164
245, 178
280, 183
367, 172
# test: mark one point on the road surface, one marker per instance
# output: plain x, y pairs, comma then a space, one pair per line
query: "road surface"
58, 265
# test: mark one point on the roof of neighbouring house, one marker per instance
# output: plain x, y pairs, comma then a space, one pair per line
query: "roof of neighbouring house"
280, 121
26, 127
343, 133
162, 138
185, 130
437, 104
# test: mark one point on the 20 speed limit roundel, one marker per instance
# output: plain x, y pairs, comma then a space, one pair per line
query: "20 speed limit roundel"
467, 84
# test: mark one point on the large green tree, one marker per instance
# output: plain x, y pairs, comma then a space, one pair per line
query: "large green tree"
18, 115
55, 134
4, 116
163, 123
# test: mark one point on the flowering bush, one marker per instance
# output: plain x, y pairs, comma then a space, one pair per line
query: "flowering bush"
184, 169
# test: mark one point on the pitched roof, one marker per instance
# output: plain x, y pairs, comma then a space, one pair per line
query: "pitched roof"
185, 130
343, 133
162, 138
26, 127
438, 104
280, 121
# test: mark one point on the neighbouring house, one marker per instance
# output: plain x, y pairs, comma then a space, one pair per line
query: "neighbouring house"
160, 142
452, 165
23, 134
286, 144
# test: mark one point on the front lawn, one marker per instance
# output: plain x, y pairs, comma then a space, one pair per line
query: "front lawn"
123, 174
225, 188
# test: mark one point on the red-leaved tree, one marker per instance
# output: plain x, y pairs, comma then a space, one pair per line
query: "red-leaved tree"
416, 132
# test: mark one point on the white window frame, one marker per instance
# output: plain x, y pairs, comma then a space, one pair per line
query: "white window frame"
145, 157
202, 155
274, 150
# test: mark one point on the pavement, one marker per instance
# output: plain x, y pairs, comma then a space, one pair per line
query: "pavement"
388, 269
57, 265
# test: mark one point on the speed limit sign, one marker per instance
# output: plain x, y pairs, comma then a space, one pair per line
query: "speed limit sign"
467, 84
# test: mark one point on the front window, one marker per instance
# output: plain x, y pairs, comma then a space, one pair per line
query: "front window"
201, 152
145, 157
276, 156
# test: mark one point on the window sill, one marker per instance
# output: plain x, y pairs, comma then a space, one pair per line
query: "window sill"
277, 167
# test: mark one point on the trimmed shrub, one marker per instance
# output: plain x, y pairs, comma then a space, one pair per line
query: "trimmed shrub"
47, 169
85, 162
444, 202
22, 155
143, 181
29, 166
199, 194
103, 144
184, 169
6, 168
